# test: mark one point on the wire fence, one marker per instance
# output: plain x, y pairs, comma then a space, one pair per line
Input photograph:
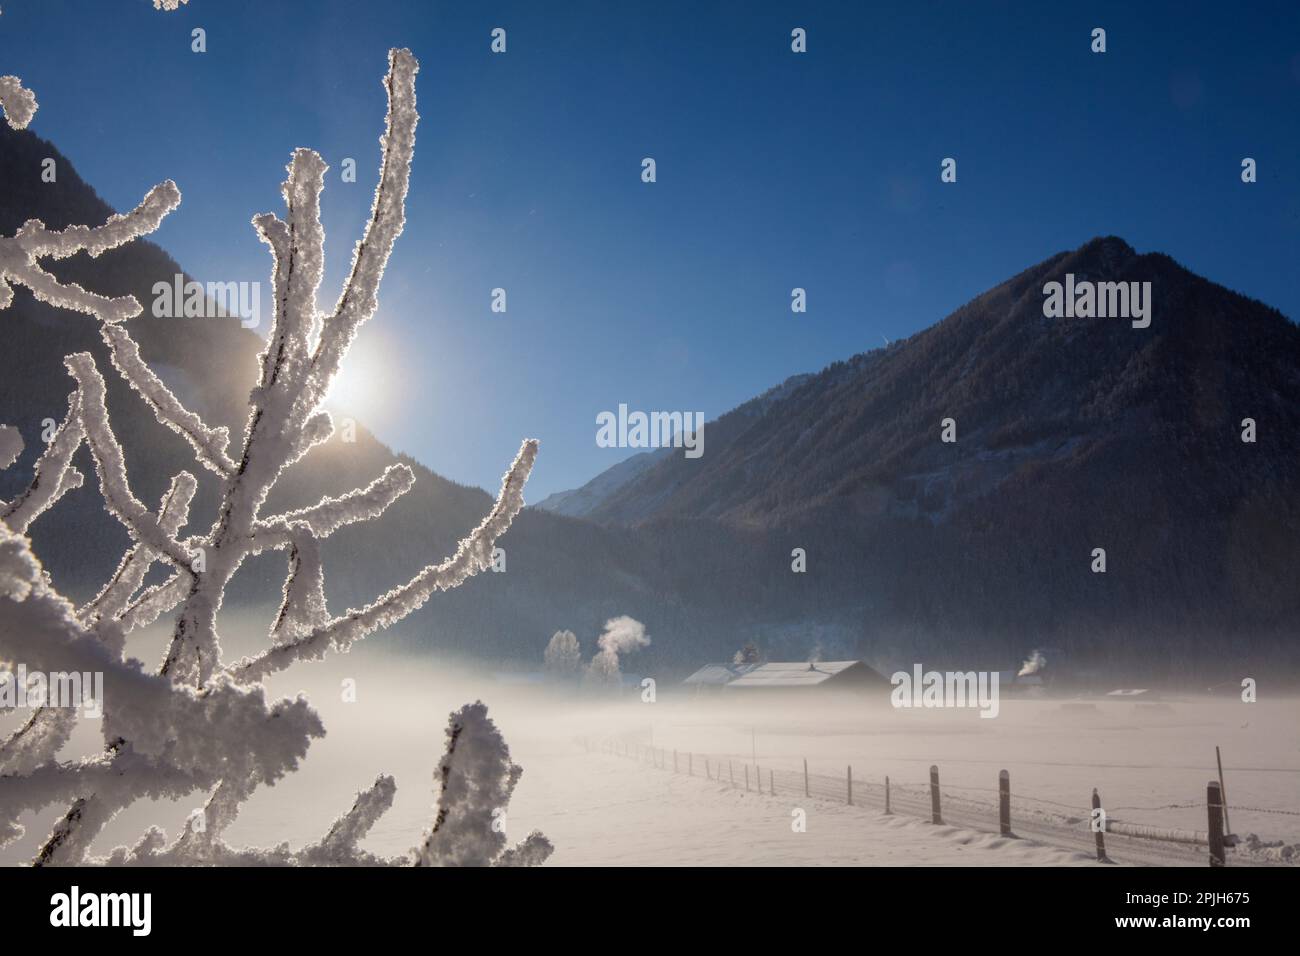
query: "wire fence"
1000, 810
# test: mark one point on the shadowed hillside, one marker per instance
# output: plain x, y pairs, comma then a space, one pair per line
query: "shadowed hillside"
1072, 434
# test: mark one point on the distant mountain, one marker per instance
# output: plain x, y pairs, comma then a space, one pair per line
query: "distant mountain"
580, 502
1072, 434
592, 497
1050, 400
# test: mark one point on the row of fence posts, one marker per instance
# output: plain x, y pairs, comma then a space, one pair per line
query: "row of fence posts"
1215, 836
1216, 806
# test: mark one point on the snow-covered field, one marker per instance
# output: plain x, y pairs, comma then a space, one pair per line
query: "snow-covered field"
601, 808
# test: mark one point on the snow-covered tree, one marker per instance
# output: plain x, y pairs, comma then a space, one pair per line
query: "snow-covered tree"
563, 655
199, 723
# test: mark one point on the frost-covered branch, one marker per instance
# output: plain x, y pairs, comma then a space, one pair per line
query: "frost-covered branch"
173, 512
111, 466
155, 601
209, 444
54, 476
339, 847
329, 514
16, 102
474, 554
224, 732
303, 605
20, 255
11, 446
360, 296
42, 736
195, 725
476, 779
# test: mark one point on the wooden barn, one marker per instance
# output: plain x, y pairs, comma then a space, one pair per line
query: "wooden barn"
816, 677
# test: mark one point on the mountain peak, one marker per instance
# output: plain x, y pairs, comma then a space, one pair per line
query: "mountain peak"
1111, 247
1020, 386
1103, 256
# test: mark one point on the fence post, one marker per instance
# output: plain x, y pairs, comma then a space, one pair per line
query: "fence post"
747, 778
1223, 792
935, 815
1214, 803
850, 783
888, 812
805, 777
1004, 803
1100, 831
771, 782
731, 775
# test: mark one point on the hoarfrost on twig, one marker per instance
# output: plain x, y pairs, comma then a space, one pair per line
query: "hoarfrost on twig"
195, 724
16, 102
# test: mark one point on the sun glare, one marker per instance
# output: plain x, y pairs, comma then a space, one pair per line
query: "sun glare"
361, 388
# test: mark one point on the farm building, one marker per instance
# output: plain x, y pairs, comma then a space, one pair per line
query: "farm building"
713, 677
806, 676
1143, 694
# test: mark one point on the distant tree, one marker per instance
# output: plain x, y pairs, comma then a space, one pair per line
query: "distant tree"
746, 655
563, 657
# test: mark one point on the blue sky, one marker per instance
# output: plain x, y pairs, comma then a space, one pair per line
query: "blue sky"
775, 170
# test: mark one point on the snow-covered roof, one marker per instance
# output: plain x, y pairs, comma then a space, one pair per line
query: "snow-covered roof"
803, 674
718, 674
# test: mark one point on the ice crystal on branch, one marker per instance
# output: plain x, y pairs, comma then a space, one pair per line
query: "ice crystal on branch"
476, 778
197, 724
16, 102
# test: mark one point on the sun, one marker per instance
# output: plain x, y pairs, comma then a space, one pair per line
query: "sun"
362, 388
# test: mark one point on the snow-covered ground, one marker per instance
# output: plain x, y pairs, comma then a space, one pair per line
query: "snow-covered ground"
601, 808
